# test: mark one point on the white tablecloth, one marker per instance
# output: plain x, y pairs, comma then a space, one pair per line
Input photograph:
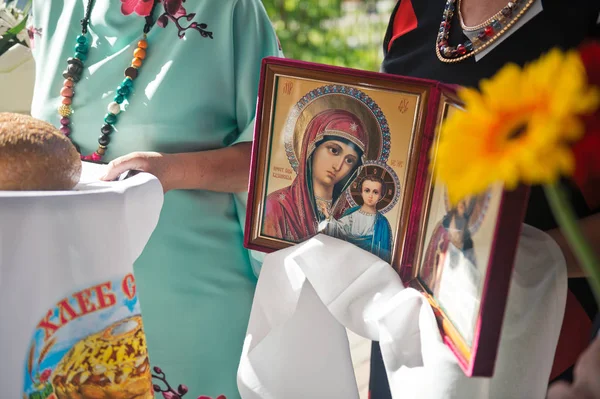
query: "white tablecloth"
296, 345
76, 245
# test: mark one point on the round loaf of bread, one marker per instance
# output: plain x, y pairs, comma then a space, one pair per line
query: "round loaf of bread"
34, 155
111, 364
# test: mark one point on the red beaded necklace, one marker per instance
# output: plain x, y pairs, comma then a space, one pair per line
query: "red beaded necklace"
482, 35
73, 74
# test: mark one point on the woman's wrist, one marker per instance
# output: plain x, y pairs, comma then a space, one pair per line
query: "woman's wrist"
178, 165
221, 170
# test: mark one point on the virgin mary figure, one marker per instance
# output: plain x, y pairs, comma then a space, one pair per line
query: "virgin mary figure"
331, 155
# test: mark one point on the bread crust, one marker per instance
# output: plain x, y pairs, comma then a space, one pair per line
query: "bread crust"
34, 155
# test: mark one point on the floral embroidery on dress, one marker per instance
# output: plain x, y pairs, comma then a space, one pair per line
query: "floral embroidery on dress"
173, 11
140, 7
32, 32
169, 392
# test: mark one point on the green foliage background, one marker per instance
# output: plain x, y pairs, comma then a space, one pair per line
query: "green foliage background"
336, 32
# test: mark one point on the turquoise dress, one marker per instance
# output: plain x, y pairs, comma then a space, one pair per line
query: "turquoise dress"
195, 280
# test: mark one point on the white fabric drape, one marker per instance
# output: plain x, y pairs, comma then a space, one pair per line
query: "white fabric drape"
296, 345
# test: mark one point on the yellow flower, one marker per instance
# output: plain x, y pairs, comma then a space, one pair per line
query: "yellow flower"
517, 129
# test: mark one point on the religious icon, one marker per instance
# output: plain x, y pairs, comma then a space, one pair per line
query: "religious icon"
450, 270
319, 139
327, 140
347, 153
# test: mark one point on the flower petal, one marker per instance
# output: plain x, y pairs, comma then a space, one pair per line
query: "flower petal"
128, 6
517, 127
144, 7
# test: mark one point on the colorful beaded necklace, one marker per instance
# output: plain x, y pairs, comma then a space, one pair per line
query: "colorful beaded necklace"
73, 74
482, 35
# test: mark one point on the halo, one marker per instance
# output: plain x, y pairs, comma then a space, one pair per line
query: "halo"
482, 202
342, 97
389, 177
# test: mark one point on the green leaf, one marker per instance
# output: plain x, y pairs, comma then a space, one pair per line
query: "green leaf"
15, 30
5, 44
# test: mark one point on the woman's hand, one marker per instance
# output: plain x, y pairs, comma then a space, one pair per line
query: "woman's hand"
586, 384
223, 170
160, 165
